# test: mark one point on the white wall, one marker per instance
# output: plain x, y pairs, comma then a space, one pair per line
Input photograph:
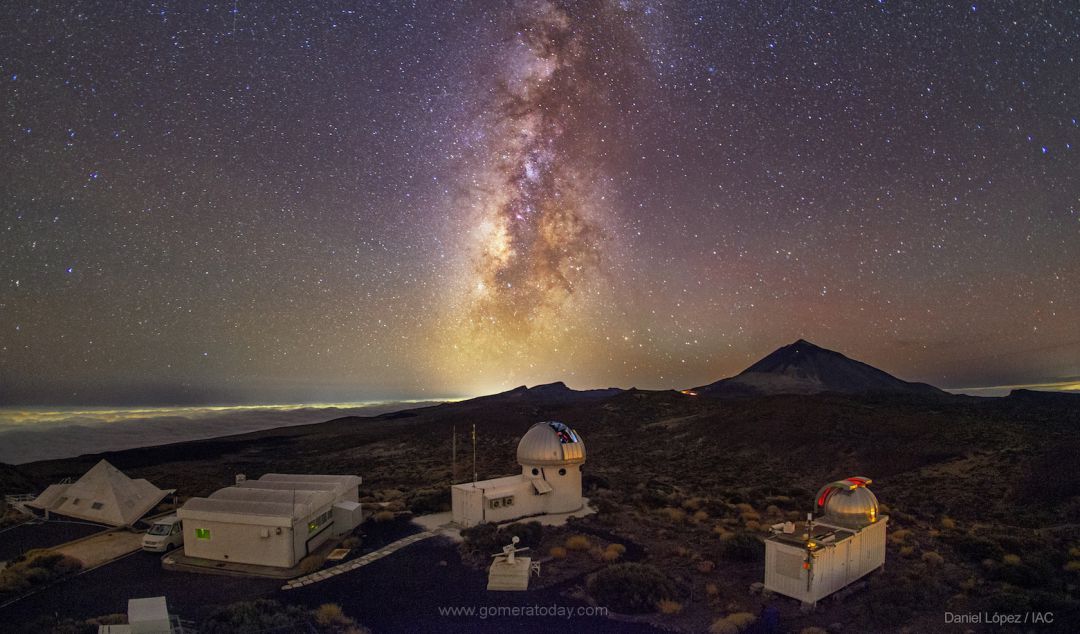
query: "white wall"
833, 567
240, 543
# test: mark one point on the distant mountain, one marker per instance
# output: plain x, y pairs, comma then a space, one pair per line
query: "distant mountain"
803, 368
552, 393
1069, 399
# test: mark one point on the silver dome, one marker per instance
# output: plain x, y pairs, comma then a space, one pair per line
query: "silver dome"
550, 443
848, 503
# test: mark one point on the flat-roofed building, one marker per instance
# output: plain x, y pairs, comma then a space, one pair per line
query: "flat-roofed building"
276, 520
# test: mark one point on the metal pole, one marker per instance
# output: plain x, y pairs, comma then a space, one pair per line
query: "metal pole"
453, 444
474, 454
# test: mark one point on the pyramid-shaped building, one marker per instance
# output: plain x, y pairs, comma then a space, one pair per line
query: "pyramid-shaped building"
103, 495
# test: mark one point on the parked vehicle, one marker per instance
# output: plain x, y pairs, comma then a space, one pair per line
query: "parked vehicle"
166, 533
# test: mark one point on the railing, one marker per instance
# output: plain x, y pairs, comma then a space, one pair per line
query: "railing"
181, 626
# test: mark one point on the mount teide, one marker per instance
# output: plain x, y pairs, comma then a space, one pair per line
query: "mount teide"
803, 368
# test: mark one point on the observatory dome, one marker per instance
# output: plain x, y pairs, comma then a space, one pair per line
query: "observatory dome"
550, 443
848, 503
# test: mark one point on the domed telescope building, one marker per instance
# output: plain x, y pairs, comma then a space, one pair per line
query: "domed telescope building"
551, 456
843, 543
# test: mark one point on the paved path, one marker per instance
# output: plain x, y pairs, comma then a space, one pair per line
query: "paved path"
359, 562
102, 548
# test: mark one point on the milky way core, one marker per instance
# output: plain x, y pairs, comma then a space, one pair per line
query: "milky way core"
538, 240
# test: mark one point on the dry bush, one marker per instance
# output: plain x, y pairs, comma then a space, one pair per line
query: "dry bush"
742, 620
907, 551
732, 623
743, 507
1011, 559
948, 523
1072, 566
610, 555
619, 548
750, 516
692, 504
700, 516
384, 516
753, 525
898, 537
329, 614
705, 566
578, 542
667, 606
674, 515
721, 530
596, 553
931, 558
557, 552
681, 551
711, 589
773, 511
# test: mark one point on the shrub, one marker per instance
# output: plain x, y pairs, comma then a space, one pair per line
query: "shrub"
1072, 566
973, 548
674, 515
631, 588
742, 547
948, 523
700, 516
384, 516
742, 620
430, 501
557, 552
35, 568
667, 606
711, 589
932, 559
255, 616
1011, 559
732, 623
705, 566
578, 542
329, 614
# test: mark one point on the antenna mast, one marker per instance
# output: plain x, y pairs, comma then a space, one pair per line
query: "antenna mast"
453, 445
474, 454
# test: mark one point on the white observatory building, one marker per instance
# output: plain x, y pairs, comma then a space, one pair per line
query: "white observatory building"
551, 456
846, 541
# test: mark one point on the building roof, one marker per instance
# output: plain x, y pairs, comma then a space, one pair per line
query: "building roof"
274, 499
550, 443
104, 495
848, 503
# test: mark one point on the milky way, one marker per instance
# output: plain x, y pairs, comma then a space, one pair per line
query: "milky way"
339, 201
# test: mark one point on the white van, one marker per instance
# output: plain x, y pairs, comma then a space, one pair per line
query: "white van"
166, 533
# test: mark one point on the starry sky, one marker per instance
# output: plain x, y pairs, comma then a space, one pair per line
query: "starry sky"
236, 202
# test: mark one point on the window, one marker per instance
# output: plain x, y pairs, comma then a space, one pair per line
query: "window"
498, 503
536, 471
320, 521
97, 506
202, 533
562, 471
75, 502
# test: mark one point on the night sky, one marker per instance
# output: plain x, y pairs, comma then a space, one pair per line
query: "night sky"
240, 203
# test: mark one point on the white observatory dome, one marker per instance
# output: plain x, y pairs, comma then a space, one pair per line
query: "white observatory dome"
848, 503
550, 444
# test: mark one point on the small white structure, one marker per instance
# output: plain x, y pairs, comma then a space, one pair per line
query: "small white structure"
809, 561
508, 571
145, 616
551, 456
104, 495
276, 520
